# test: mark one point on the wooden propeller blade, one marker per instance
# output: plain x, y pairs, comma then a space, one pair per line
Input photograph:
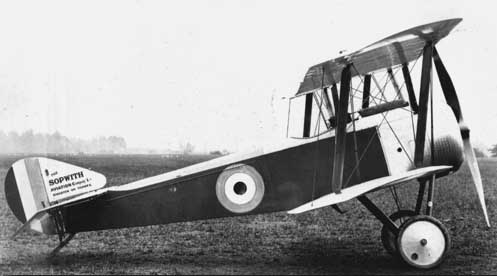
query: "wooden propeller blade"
452, 100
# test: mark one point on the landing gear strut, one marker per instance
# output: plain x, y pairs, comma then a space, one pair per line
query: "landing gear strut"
389, 239
419, 240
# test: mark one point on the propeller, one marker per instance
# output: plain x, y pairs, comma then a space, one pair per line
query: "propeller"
452, 100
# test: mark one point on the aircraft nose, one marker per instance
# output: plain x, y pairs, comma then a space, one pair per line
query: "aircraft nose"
447, 151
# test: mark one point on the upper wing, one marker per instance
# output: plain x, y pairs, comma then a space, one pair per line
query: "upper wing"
397, 49
368, 186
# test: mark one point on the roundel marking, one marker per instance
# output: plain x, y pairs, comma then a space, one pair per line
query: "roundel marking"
240, 188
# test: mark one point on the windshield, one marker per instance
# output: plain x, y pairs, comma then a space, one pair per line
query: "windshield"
317, 118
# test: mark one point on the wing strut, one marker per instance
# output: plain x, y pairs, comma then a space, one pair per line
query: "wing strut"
424, 92
395, 84
366, 91
327, 102
334, 95
410, 88
452, 100
341, 131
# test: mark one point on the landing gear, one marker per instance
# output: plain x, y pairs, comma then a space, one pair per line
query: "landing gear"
419, 240
388, 238
423, 242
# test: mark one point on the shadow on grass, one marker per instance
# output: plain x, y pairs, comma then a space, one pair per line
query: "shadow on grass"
343, 256
307, 256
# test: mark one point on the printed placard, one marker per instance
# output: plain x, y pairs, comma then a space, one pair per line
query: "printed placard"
63, 180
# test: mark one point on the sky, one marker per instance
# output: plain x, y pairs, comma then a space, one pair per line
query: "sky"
217, 74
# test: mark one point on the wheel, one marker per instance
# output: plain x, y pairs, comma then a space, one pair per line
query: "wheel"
389, 239
423, 242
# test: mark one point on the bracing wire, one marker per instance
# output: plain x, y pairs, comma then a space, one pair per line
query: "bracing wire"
388, 123
288, 117
384, 115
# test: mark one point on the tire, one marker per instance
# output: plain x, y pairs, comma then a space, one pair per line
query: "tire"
423, 242
389, 239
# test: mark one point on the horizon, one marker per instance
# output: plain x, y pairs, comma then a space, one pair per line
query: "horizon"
216, 78
186, 148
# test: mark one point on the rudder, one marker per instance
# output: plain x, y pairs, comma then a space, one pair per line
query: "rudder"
37, 183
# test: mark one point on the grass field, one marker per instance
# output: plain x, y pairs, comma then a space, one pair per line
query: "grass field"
318, 242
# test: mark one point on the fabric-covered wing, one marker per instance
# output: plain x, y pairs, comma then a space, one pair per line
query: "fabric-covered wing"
397, 49
368, 186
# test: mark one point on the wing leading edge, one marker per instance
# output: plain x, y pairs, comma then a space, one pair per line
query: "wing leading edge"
397, 49
365, 187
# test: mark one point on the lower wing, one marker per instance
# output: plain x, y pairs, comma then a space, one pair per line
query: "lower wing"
368, 186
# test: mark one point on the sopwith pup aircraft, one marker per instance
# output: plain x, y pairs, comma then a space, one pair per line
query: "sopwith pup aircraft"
364, 128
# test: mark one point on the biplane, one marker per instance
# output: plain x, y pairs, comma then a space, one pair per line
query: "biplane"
364, 128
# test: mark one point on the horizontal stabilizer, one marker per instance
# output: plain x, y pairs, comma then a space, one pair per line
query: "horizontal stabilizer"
40, 214
368, 186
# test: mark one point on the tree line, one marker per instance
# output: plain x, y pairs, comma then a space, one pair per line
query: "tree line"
30, 142
55, 143
493, 150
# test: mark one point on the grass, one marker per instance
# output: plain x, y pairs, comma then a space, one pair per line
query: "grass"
318, 242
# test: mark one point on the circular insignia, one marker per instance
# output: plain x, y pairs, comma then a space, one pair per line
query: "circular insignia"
240, 188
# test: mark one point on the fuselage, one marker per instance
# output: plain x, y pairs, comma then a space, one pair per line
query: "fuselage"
293, 173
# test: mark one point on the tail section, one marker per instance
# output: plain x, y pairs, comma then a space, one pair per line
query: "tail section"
36, 183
